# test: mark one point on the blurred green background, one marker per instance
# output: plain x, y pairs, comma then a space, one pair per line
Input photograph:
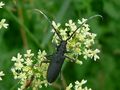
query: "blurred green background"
29, 30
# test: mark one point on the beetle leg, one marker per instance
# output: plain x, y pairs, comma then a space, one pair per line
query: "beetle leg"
63, 81
71, 59
54, 44
45, 61
61, 76
68, 51
49, 57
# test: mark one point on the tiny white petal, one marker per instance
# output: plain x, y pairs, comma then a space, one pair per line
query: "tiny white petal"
3, 24
1, 4
1, 74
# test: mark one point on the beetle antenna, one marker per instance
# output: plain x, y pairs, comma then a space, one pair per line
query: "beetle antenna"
60, 37
83, 24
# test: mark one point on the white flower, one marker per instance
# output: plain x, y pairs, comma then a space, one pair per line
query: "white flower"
94, 54
41, 56
18, 65
79, 62
28, 61
24, 69
14, 73
22, 76
81, 83
1, 74
81, 37
56, 26
18, 59
91, 54
63, 33
78, 86
1, 4
69, 87
3, 24
29, 54
82, 21
71, 24
86, 53
88, 43
92, 36
19, 89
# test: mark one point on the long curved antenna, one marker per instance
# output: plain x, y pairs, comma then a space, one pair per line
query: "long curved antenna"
60, 37
82, 25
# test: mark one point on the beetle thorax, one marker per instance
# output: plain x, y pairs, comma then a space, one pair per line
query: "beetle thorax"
62, 47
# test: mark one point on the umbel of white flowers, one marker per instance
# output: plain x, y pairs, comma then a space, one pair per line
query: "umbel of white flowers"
5, 25
28, 68
78, 86
3, 21
81, 43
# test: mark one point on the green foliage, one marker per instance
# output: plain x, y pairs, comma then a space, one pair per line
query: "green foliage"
29, 30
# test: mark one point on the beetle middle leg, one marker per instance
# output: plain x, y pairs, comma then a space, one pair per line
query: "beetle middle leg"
54, 44
45, 61
71, 59
49, 58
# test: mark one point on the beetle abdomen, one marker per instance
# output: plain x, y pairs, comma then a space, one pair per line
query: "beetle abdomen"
53, 71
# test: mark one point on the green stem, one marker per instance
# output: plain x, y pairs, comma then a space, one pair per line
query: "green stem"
25, 28
13, 88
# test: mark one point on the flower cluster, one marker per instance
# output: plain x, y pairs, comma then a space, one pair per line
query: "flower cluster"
78, 86
3, 21
82, 41
30, 70
1, 74
2, 24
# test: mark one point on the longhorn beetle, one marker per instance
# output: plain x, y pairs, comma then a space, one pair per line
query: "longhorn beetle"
59, 56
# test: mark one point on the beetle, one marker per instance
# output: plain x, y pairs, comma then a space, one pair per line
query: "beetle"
58, 57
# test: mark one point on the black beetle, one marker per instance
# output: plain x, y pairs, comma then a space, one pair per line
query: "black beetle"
59, 56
